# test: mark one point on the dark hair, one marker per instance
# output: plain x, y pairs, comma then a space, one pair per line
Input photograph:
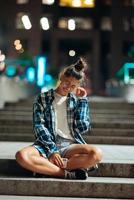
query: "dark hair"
76, 70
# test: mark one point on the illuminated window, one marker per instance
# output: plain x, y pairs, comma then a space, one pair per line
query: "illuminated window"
46, 22
128, 49
26, 22
128, 3
71, 24
22, 1
48, 2
106, 24
128, 23
78, 3
80, 23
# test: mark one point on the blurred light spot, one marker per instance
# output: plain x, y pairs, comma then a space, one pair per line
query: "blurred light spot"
26, 22
72, 53
30, 74
48, 2
71, 24
44, 23
89, 3
18, 46
22, 1
16, 42
2, 57
62, 23
76, 3
127, 68
2, 66
21, 50
10, 70
48, 77
41, 71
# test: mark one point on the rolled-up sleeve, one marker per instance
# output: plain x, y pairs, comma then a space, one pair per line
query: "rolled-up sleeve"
42, 133
82, 119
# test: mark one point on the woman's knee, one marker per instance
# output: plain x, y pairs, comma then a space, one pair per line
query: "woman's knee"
97, 154
21, 157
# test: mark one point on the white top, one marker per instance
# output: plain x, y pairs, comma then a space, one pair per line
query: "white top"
62, 128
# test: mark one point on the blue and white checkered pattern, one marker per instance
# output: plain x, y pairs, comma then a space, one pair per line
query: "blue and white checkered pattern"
44, 119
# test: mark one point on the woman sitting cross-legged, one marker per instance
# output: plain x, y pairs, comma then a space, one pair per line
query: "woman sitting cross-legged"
60, 117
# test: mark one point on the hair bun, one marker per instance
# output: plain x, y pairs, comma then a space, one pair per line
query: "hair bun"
80, 65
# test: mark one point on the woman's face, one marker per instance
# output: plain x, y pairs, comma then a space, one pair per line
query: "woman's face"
67, 84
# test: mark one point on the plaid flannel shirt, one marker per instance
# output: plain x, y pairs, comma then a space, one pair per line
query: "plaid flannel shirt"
44, 119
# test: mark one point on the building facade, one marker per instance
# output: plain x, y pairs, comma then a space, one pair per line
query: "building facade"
101, 31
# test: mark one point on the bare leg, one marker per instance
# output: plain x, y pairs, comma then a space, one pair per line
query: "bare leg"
30, 159
83, 156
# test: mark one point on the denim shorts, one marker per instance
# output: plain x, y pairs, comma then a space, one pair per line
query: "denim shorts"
62, 144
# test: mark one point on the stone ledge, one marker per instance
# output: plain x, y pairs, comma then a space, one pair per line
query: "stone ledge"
93, 187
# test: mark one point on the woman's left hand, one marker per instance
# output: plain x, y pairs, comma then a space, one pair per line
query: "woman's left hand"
81, 92
56, 159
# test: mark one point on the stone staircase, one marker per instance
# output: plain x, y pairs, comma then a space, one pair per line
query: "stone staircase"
115, 178
112, 131
112, 122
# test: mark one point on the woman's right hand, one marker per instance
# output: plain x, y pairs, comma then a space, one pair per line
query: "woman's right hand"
80, 92
57, 160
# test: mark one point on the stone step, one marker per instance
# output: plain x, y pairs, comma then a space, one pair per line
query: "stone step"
111, 105
17, 130
89, 139
118, 160
111, 132
16, 121
19, 103
112, 111
18, 108
94, 105
111, 116
109, 140
15, 113
126, 124
118, 119
15, 197
93, 187
113, 124
16, 117
92, 109
17, 137
113, 120
20, 115
98, 104
9, 167
27, 111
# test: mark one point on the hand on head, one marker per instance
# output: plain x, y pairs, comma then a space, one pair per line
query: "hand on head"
80, 92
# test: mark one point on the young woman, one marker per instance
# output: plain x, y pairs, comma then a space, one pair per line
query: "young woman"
60, 117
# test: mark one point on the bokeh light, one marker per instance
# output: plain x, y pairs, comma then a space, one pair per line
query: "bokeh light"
10, 71
72, 53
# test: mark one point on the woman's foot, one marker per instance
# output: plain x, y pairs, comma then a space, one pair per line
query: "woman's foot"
79, 174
